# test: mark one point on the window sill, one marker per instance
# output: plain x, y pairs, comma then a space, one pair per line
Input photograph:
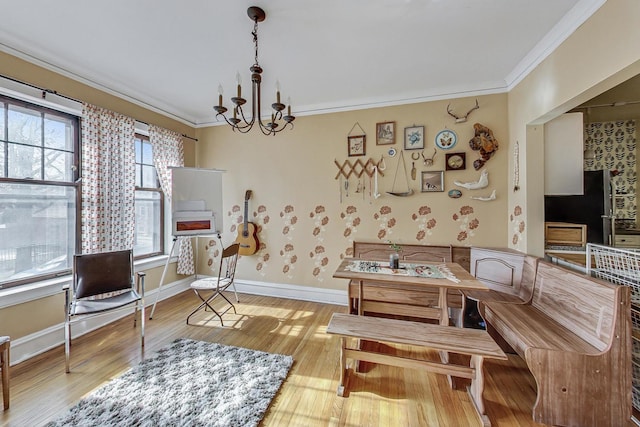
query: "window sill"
45, 288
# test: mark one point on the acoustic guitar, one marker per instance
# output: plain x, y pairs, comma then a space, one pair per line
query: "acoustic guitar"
247, 232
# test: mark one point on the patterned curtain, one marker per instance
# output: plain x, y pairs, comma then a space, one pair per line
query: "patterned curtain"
108, 180
168, 152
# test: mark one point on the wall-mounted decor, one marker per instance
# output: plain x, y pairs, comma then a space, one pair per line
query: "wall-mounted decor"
432, 181
485, 142
446, 139
356, 145
455, 193
485, 198
462, 119
428, 161
408, 191
480, 183
385, 133
414, 138
455, 161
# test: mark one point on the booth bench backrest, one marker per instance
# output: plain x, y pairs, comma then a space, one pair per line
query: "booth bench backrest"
582, 304
379, 251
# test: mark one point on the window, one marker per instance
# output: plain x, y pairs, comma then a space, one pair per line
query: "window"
149, 201
38, 191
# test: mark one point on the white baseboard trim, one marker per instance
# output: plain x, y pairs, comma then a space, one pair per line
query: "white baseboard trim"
302, 293
31, 345
46, 339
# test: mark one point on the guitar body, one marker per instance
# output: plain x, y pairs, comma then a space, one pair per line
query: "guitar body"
247, 232
248, 239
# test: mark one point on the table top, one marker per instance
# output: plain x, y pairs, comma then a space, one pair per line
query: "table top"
464, 280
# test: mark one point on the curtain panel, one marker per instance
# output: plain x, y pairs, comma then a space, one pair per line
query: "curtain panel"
108, 180
168, 152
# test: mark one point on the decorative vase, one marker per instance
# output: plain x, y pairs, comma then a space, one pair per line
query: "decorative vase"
394, 260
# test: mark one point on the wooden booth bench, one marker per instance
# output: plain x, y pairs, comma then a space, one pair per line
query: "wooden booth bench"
575, 335
395, 300
471, 342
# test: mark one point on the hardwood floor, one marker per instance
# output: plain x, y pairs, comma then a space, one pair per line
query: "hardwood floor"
378, 396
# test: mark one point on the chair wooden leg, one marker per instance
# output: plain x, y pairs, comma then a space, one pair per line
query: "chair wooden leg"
4, 362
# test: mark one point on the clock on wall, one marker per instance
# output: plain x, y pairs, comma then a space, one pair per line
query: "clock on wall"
455, 161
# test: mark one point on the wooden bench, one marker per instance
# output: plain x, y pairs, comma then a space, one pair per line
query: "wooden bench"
575, 336
509, 274
472, 342
385, 299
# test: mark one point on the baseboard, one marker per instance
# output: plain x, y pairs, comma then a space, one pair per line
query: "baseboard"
46, 339
31, 345
302, 293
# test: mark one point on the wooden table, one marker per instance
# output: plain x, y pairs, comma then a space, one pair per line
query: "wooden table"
400, 281
476, 344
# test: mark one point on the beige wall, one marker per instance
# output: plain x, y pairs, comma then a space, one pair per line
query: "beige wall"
292, 176
297, 168
571, 75
19, 321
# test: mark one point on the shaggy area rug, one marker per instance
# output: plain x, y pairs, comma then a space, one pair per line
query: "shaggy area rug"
189, 383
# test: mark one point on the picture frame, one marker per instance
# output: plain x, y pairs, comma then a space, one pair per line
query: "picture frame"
432, 181
455, 161
414, 138
356, 145
385, 133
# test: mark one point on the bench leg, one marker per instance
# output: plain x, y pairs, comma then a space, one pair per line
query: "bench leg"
477, 388
343, 366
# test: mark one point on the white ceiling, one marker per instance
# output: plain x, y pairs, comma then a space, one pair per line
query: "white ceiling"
329, 55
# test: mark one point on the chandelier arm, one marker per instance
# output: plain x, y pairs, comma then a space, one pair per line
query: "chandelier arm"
244, 119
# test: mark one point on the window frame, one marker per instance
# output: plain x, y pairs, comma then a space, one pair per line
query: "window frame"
73, 183
160, 252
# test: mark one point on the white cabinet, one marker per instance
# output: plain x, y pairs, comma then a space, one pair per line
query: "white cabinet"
563, 155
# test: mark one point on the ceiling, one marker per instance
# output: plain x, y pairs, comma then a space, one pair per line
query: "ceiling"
328, 55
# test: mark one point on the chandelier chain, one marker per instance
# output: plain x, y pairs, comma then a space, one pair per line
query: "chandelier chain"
255, 39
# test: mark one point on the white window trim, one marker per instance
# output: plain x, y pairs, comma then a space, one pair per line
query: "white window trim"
45, 288
28, 292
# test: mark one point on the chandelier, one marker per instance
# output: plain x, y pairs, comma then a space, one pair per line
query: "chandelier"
239, 121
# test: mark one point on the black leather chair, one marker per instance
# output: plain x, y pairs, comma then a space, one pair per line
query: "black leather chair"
103, 282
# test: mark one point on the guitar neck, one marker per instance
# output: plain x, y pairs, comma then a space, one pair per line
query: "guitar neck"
246, 213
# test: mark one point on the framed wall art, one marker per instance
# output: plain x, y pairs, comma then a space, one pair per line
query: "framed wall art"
356, 145
385, 133
414, 138
455, 161
432, 181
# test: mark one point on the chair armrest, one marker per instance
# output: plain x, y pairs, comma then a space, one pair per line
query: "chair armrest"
140, 285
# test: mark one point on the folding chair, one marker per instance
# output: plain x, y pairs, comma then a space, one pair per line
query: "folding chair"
103, 282
216, 285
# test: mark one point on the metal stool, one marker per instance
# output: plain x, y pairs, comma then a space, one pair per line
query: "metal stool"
5, 343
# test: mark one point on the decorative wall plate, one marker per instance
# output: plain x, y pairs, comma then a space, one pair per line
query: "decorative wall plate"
392, 152
455, 194
446, 139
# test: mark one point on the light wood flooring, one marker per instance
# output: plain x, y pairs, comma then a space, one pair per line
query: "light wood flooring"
378, 396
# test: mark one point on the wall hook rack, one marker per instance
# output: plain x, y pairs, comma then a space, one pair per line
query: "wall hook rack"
357, 168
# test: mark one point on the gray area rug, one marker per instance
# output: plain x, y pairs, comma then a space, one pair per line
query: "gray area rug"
189, 383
